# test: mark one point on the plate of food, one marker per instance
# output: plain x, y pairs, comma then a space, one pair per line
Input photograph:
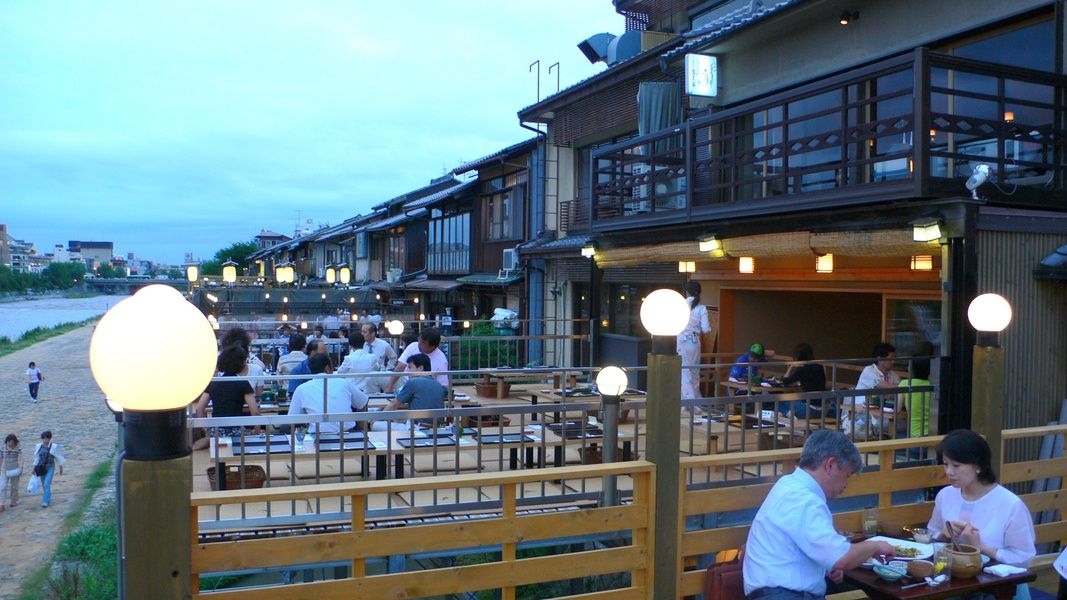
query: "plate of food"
906, 549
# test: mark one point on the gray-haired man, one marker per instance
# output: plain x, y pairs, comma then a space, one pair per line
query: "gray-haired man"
792, 545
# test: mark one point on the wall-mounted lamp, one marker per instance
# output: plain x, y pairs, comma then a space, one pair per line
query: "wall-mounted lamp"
588, 251
1009, 115
922, 262
746, 264
708, 243
824, 263
848, 17
687, 266
926, 232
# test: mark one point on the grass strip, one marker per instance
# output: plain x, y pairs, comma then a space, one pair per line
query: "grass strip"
39, 334
94, 545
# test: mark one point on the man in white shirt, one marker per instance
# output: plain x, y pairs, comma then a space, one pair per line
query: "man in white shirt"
427, 344
341, 396
792, 545
380, 348
360, 361
296, 354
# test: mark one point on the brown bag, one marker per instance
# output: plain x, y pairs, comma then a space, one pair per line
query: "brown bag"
725, 580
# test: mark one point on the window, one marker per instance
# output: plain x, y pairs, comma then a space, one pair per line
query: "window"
1031, 46
503, 207
361, 244
397, 252
449, 243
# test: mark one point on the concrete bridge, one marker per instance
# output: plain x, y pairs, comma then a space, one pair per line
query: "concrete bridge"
124, 285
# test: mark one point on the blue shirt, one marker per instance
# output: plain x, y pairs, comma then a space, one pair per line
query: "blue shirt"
740, 371
422, 393
301, 369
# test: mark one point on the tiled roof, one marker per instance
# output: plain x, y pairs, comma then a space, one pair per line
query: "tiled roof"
729, 23
499, 154
490, 279
444, 194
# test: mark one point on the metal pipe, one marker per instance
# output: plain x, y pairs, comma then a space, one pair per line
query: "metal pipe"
610, 416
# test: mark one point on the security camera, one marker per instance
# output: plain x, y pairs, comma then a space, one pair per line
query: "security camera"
981, 175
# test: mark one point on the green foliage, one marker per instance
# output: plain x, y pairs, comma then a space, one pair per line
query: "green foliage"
176, 274
211, 267
238, 252
17, 281
481, 350
62, 276
107, 271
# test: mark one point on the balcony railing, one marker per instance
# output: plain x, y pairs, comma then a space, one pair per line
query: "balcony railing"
910, 126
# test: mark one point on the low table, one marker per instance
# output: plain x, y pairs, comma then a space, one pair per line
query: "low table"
880, 589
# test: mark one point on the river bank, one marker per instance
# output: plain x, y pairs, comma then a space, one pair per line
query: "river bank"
72, 407
21, 316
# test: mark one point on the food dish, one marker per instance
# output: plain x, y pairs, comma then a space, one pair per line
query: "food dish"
889, 572
905, 549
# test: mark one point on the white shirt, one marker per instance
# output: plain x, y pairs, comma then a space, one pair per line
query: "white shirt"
290, 361
792, 542
1002, 519
384, 351
360, 362
438, 361
33, 375
698, 321
342, 396
870, 378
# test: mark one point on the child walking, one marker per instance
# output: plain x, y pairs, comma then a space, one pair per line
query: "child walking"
11, 468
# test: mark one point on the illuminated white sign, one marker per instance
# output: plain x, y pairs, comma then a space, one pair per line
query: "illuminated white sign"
701, 75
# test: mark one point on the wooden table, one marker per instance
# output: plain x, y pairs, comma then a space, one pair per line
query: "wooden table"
880, 589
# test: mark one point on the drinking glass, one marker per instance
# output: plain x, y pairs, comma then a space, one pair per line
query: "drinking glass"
300, 438
870, 521
942, 561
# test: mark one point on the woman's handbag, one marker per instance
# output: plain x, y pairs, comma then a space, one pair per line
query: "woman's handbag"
40, 470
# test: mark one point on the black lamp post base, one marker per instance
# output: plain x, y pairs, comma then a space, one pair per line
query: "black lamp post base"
157, 435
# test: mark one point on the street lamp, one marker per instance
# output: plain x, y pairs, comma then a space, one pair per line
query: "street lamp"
989, 314
395, 327
664, 313
331, 274
610, 383
229, 271
345, 274
155, 475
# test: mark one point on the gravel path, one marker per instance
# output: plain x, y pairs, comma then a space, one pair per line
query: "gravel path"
72, 406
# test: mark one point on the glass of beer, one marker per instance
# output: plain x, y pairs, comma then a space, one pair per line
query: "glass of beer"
942, 561
870, 520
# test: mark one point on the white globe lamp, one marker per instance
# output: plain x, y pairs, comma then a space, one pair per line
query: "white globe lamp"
611, 381
664, 312
989, 313
395, 327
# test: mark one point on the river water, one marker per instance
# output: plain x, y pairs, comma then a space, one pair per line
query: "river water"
22, 315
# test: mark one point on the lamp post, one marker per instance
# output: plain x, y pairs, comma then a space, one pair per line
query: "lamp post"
192, 274
989, 314
664, 313
155, 472
229, 271
610, 383
331, 274
345, 274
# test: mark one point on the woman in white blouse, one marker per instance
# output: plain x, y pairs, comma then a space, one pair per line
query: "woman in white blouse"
976, 508
688, 343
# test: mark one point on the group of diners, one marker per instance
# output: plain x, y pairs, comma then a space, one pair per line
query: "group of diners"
407, 374
864, 416
793, 550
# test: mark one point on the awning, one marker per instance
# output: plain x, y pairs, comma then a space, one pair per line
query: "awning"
1053, 266
432, 285
490, 279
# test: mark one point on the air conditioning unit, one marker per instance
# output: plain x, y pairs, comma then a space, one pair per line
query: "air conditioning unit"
393, 275
511, 259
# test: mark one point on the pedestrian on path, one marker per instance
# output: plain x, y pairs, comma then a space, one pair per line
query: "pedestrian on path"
11, 469
34, 377
48, 456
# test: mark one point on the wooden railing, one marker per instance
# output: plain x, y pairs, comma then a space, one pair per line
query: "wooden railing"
889, 472
501, 532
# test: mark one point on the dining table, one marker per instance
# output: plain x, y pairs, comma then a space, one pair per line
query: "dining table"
877, 588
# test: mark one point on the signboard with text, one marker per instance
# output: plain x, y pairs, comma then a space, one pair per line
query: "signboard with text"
701, 75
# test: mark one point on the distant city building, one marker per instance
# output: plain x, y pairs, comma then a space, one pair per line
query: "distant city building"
265, 239
93, 253
5, 254
21, 253
62, 255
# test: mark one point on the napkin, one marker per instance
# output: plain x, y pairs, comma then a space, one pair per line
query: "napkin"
1003, 570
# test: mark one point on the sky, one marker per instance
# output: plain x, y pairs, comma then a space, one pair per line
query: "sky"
174, 127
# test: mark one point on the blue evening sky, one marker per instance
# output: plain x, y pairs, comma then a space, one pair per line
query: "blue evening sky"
173, 127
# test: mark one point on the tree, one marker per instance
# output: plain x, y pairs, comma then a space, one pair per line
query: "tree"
107, 271
238, 252
175, 274
64, 275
